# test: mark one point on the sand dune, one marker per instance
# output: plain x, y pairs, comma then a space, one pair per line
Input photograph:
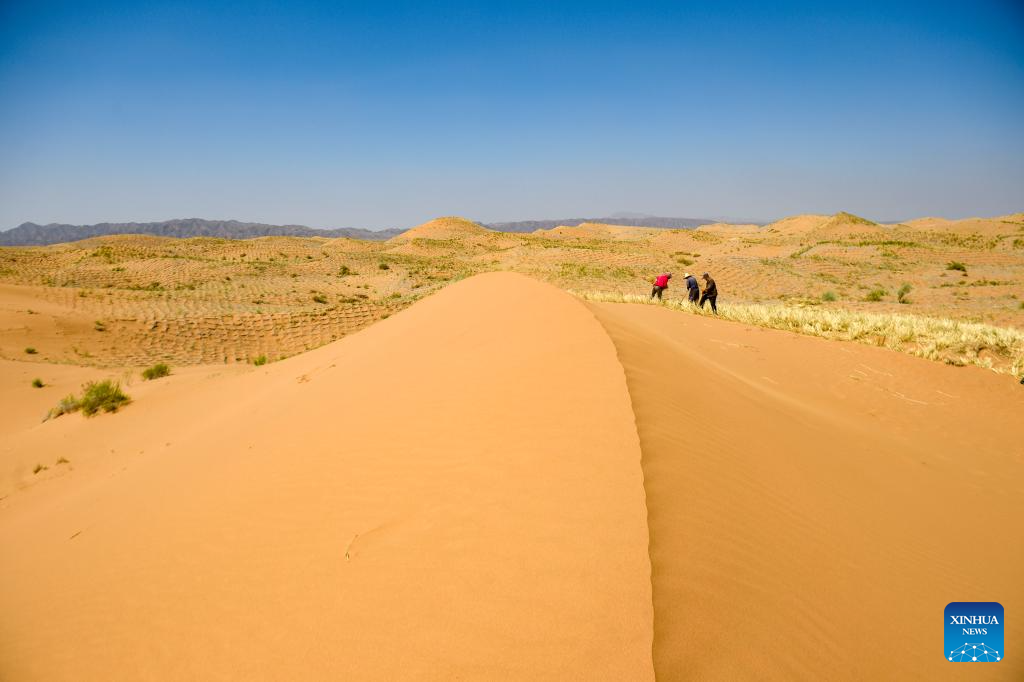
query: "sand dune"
814, 505
504, 482
449, 227
454, 493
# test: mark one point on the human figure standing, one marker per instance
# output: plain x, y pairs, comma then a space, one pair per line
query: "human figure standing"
710, 293
692, 290
660, 284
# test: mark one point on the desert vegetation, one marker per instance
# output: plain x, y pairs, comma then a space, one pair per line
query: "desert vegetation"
97, 396
157, 371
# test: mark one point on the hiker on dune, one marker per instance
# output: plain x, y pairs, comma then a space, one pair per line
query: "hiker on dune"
692, 290
660, 284
710, 293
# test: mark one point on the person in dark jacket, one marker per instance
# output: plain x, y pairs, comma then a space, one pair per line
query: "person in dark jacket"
660, 284
710, 293
692, 290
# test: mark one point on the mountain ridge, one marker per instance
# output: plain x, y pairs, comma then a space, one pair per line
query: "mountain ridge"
33, 234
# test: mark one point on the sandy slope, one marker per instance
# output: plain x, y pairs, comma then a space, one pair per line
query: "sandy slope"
453, 493
814, 505
458, 492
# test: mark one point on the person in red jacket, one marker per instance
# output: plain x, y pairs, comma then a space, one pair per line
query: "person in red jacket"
660, 284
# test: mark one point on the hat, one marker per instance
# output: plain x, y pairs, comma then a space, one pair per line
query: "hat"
686, 274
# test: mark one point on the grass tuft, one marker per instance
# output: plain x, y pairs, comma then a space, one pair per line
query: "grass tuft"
260, 360
901, 295
157, 371
875, 295
956, 265
31, 351
37, 383
97, 396
828, 296
102, 395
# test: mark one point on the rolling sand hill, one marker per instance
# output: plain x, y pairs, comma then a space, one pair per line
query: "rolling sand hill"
504, 482
450, 227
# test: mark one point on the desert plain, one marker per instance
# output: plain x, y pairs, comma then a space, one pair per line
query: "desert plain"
467, 454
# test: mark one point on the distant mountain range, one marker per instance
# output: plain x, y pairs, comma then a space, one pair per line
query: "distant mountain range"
32, 234
633, 220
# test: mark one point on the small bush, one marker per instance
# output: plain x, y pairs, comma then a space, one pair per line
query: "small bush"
102, 395
683, 260
99, 326
956, 265
31, 351
344, 271
828, 296
320, 298
37, 383
39, 467
384, 266
157, 371
901, 295
63, 460
260, 360
875, 295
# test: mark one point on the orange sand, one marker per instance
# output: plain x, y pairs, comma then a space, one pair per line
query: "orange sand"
502, 482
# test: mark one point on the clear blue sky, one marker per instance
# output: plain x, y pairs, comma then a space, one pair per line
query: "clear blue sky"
378, 114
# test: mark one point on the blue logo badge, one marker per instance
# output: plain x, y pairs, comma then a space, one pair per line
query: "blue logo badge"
974, 632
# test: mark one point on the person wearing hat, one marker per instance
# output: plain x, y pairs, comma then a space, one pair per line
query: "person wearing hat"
660, 284
710, 293
692, 290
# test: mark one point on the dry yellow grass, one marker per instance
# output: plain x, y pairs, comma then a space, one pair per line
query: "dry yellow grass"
952, 341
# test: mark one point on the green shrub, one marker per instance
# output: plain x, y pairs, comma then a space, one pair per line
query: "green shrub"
37, 383
157, 371
260, 360
39, 467
96, 395
99, 326
901, 295
102, 395
384, 266
828, 296
875, 295
956, 265
320, 298
31, 351
344, 271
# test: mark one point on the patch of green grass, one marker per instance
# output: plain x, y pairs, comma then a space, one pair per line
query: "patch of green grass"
956, 265
683, 260
37, 383
875, 295
157, 371
31, 351
260, 360
901, 295
102, 395
828, 296
345, 271
97, 396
